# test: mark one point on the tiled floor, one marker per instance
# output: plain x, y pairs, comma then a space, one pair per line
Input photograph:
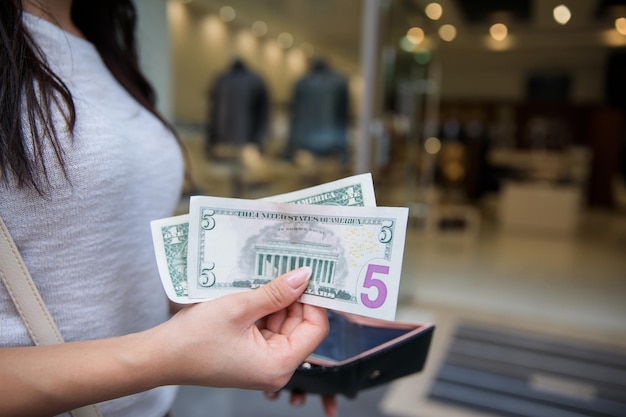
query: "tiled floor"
572, 287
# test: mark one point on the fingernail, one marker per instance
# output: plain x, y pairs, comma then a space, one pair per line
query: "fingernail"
299, 277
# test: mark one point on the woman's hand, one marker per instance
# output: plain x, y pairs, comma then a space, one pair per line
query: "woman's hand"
254, 339
251, 340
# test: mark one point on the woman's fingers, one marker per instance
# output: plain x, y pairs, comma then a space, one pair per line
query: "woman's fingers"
271, 395
329, 403
297, 399
308, 333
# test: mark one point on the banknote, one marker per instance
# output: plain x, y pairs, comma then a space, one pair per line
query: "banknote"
170, 235
357, 190
170, 240
355, 253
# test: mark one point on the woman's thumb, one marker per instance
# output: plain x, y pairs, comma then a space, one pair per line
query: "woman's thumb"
280, 292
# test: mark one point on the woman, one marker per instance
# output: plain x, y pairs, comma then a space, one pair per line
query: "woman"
85, 164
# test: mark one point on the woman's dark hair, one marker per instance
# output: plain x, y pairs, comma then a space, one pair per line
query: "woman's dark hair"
26, 82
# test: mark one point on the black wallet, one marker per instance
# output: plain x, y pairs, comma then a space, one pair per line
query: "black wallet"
361, 353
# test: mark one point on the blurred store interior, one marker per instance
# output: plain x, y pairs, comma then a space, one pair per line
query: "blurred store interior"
500, 124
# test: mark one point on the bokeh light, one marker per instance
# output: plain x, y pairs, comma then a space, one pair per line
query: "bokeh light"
259, 28
562, 14
499, 31
285, 40
447, 32
620, 25
434, 11
406, 44
422, 56
227, 14
415, 35
432, 145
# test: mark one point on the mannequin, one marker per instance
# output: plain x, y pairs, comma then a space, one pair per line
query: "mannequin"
319, 114
239, 104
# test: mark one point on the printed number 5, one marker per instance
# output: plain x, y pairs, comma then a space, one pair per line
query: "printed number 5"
370, 281
208, 222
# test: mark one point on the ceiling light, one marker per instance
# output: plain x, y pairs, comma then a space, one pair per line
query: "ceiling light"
434, 11
620, 25
447, 33
498, 31
561, 14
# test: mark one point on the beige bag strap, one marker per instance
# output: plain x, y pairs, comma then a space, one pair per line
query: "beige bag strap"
29, 303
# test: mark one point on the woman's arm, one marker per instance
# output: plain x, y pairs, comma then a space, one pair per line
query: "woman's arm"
47, 380
215, 343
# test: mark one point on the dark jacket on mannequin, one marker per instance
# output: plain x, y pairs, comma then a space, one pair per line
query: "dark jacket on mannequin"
239, 105
319, 113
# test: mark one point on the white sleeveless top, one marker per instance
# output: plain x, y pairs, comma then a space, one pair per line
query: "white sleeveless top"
88, 244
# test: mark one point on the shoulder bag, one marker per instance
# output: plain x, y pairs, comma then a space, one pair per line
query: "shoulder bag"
30, 305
